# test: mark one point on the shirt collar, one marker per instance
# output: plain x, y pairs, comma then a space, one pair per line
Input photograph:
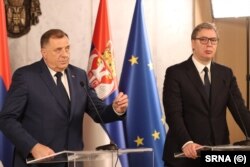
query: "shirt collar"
53, 73
200, 66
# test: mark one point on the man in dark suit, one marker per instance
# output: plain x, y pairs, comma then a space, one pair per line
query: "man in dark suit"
195, 101
35, 117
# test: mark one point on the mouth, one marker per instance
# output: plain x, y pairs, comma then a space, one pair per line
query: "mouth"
208, 51
64, 62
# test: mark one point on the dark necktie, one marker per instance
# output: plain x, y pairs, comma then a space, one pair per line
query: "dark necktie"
206, 82
63, 93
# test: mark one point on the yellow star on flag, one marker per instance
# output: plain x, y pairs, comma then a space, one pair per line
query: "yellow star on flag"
139, 141
163, 119
133, 60
156, 135
150, 65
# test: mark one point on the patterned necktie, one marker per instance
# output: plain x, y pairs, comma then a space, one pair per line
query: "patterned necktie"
206, 82
64, 95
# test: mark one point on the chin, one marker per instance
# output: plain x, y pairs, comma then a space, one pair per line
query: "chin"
209, 57
64, 65
62, 68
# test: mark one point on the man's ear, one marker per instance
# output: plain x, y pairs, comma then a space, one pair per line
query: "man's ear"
43, 52
192, 45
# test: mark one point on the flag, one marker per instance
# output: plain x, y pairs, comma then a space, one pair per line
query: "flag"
144, 125
5, 145
102, 74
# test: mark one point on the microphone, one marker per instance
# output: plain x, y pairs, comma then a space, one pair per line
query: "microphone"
245, 142
111, 145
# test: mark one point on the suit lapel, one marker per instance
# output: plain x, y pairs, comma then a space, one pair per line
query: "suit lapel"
194, 76
216, 83
72, 84
49, 81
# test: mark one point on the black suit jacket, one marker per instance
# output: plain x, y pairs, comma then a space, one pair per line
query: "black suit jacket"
191, 116
33, 112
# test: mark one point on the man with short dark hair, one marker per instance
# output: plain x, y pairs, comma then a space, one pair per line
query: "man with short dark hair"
196, 94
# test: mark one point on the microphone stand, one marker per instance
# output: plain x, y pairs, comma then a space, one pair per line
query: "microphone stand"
111, 145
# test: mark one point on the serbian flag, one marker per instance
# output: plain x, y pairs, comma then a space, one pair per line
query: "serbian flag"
5, 146
102, 74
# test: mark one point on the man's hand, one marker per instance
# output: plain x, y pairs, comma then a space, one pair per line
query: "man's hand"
190, 150
39, 151
120, 104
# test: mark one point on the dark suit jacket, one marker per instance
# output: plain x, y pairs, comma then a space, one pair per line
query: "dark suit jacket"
191, 116
34, 114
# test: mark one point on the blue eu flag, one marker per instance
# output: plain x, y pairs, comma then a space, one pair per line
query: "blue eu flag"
144, 123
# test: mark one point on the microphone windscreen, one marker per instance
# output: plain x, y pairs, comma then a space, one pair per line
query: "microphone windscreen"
82, 83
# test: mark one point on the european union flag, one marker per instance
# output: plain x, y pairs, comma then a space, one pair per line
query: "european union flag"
144, 123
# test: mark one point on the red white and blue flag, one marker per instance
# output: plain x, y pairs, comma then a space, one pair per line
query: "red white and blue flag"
5, 146
102, 74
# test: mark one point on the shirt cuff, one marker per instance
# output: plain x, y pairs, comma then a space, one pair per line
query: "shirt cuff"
184, 145
118, 113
